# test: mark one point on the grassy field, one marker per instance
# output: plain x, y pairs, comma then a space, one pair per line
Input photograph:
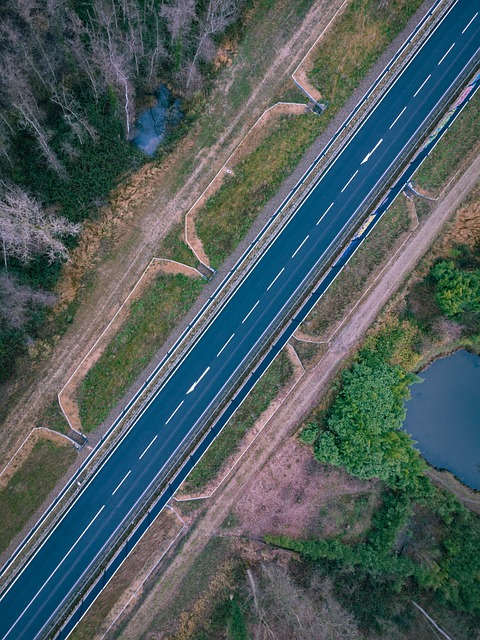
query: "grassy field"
228, 215
345, 290
343, 59
452, 149
174, 248
227, 442
202, 608
30, 486
355, 43
151, 319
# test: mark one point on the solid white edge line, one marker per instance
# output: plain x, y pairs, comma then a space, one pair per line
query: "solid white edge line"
147, 448
145, 408
349, 181
121, 482
397, 118
422, 85
175, 412
276, 278
300, 246
226, 343
257, 302
55, 570
470, 23
324, 214
445, 55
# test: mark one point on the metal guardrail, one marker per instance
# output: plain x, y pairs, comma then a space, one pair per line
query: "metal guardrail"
186, 341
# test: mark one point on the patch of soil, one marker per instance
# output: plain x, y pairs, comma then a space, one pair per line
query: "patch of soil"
467, 225
289, 492
251, 435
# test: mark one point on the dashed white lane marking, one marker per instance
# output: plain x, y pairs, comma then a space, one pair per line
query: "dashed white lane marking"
121, 482
324, 214
145, 450
422, 85
226, 343
445, 55
175, 411
398, 117
195, 383
276, 278
349, 181
470, 22
257, 302
54, 571
367, 157
300, 246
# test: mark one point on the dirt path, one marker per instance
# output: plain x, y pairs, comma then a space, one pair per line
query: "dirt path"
151, 203
300, 402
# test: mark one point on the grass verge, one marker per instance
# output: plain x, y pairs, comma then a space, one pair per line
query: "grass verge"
228, 215
257, 402
354, 44
345, 290
149, 323
452, 149
343, 59
30, 486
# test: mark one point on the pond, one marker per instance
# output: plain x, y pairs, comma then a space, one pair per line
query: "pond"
153, 123
443, 415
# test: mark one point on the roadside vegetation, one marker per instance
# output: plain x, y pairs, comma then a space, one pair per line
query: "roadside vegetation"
30, 485
148, 325
344, 291
452, 150
258, 401
421, 541
342, 60
348, 51
73, 80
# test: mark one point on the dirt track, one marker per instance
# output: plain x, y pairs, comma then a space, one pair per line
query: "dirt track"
302, 400
150, 207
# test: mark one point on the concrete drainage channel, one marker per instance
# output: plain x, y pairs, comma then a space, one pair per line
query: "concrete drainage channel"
205, 433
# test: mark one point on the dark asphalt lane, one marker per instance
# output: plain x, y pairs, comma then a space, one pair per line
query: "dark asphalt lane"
115, 489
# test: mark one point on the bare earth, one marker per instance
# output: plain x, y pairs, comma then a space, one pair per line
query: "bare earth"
243, 488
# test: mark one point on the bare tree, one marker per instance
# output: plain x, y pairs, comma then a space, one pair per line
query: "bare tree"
21, 97
25, 228
114, 54
219, 14
287, 611
179, 16
17, 300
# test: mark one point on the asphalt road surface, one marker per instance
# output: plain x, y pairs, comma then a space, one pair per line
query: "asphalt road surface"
31, 600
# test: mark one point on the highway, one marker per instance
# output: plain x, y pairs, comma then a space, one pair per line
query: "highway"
107, 499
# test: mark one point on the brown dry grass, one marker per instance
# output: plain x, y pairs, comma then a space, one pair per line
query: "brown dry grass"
289, 493
131, 230
273, 440
68, 397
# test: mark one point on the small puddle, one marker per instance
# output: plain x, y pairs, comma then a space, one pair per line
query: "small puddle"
153, 124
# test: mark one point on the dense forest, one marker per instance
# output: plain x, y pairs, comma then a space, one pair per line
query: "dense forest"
72, 75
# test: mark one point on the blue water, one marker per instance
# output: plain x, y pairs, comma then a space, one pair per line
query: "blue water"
153, 123
443, 416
